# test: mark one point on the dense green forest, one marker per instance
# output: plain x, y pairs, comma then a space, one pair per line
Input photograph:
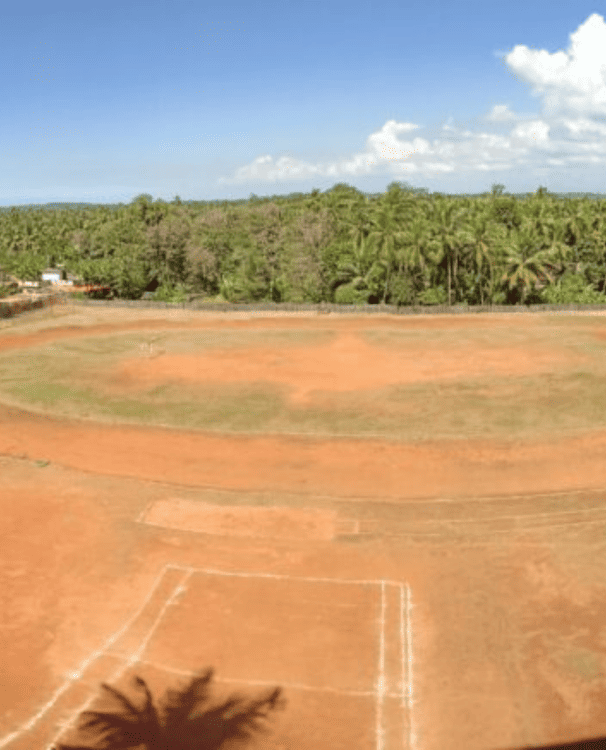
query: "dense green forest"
401, 247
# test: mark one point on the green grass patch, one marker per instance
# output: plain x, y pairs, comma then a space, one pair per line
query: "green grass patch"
43, 393
510, 407
62, 376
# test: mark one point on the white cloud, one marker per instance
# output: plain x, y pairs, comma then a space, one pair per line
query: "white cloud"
583, 125
571, 87
500, 113
536, 130
573, 80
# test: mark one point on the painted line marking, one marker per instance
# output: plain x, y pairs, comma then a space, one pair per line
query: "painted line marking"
272, 683
410, 738
83, 666
380, 689
379, 693
132, 659
278, 576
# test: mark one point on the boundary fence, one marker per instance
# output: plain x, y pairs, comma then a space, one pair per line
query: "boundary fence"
20, 303
334, 308
16, 305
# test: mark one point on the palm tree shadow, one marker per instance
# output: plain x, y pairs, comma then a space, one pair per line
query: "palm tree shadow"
184, 719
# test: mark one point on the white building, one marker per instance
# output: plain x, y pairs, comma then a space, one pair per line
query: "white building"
53, 275
59, 277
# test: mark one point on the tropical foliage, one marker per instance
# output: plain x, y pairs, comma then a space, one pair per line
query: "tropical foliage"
402, 247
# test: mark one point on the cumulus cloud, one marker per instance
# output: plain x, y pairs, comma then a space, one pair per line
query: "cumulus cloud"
573, 81
571, 88
500, 113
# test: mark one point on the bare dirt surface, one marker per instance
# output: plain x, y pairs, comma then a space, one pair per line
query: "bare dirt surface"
345, 364
439, 595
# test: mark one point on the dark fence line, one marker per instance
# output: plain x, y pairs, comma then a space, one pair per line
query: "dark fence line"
11, 306
334, 308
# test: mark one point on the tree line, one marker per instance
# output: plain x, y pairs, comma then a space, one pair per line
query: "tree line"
401, 247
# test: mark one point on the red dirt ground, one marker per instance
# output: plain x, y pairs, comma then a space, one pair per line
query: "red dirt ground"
346, 364
508, 629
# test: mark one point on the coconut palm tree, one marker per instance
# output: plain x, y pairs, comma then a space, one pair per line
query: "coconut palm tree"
598, 248
179, 723
526, 263
453, 237
358, 268
413, 256
559, 250
385, 235
343, 201
486, 236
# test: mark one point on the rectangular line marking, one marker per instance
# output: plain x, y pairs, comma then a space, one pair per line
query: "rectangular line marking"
77, 674
133, 658
272, 683
210, 571
380, 693
407, 665
412, 732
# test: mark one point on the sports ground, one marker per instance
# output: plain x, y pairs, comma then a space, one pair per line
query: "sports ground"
401, 520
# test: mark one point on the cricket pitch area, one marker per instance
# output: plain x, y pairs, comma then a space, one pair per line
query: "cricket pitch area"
400, 520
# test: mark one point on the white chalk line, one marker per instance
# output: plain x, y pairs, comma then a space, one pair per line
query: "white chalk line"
73, 676
522, 521
405, 666
273, 683
278, 576
516, 529
408, 701
132, 659
135, 657
522, 516
380, 689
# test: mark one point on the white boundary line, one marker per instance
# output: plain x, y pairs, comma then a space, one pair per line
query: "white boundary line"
132, 659
72, 676
520, 516
410, 739
272, 683
380, 689
237, 574
379, 693
405, 665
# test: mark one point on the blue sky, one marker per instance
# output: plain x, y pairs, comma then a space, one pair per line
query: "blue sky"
104, 101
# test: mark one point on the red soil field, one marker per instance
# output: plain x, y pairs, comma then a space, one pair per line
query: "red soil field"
458, 592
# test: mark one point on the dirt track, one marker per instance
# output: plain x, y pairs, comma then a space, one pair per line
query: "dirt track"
453, 468
507, 629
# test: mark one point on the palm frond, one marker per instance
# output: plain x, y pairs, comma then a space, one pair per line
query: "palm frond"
179, 728
179, 705
121, 729
233, 719
114, 732
130, 708
148, 715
